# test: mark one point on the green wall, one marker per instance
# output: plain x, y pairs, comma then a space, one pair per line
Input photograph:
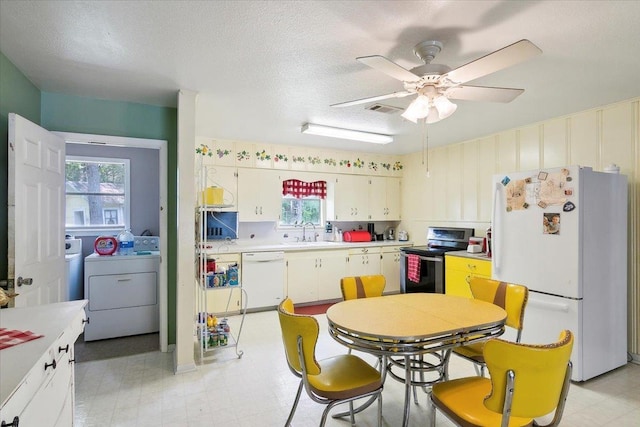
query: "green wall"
58, 112
17, 95
68, 113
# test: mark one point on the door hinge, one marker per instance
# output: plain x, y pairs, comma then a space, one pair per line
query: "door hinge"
7, 284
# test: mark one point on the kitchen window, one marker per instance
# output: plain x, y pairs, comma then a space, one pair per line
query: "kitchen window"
97, 194
302, 202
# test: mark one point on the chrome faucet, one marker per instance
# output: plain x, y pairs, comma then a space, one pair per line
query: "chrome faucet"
304, 227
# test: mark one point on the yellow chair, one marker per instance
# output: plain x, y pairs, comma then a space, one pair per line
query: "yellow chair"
362, 286
526, 382
512, 298
355, 287
333, 381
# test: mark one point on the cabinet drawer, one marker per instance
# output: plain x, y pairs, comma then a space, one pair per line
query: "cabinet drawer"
474, 266
123, 290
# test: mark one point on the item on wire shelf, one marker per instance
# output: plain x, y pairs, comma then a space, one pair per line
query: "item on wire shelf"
413, 267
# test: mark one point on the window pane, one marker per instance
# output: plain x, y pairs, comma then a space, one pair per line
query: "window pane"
298, 211
95, 192
94, 210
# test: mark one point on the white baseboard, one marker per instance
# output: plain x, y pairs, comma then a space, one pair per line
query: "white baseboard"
181, 369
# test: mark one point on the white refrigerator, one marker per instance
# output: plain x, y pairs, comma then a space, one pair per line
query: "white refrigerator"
562, 232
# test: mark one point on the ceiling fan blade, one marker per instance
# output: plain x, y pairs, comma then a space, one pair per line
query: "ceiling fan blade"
373, 98
483, 93
388, 67
498, 60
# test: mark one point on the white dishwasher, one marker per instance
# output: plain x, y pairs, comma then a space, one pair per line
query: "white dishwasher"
263, 278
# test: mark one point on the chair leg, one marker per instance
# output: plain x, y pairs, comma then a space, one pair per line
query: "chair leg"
353, 417
295, 405
432, 414
380, 409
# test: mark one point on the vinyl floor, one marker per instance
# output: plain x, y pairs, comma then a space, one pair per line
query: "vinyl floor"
257, 389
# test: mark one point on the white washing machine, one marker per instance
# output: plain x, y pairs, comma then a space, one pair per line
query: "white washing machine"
123, 292
73, 258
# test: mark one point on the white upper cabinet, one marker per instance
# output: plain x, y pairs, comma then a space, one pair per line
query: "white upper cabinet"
259, 195
384, 198
348, 198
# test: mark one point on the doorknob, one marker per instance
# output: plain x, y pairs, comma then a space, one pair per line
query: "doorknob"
24, 281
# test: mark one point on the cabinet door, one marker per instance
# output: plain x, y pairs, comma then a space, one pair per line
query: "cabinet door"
223, 300
351, 198
332, 268
457, 283
364, 264
46, 406
377, 198
393, 199
391, 270
259, 195
302, 277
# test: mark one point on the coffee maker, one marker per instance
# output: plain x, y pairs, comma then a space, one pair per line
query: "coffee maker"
391, 234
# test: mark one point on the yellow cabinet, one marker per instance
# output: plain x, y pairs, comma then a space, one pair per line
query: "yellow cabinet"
460, 269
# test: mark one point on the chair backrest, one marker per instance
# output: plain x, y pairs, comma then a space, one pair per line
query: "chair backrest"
511, 297
539, 371
362, 286
294, 326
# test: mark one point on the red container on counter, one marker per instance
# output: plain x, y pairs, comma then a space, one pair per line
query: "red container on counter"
356, 236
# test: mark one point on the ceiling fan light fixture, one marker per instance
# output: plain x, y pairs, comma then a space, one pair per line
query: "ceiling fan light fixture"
444, 106
418, 109
354, 135
433, 115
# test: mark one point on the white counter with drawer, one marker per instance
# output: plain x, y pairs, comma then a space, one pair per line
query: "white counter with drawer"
123, 295
37, 377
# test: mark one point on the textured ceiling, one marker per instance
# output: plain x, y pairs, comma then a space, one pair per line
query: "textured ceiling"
264, 68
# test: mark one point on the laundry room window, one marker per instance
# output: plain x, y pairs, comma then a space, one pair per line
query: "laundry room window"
97, 194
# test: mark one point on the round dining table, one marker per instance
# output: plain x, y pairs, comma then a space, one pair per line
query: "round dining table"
406, 327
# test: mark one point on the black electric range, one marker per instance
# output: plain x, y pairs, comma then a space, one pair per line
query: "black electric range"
429, 276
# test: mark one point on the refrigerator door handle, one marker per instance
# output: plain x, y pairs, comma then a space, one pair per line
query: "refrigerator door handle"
553, 306
495, 233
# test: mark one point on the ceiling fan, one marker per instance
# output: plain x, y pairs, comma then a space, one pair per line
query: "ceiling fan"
436, 84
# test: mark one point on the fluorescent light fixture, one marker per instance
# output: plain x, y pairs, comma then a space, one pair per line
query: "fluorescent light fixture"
355, 135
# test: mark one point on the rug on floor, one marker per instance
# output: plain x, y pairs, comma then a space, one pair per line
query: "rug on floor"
313, 309
86, 351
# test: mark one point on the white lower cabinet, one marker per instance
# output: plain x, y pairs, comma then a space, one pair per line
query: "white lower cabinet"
37, 382
391, 258
315, 275
364, 261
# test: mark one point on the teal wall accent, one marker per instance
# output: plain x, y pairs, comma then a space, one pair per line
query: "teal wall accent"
67, 113
17, 95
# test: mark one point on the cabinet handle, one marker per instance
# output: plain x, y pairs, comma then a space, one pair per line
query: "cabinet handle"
468, 279
260, 210
48, 365
14, 423
85, 320
65, 348
256, 211
124, 280
471, 266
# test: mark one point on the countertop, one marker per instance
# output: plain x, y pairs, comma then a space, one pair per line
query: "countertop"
464, 254
49, 320
249, 245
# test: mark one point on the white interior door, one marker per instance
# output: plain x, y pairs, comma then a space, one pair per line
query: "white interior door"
36, 197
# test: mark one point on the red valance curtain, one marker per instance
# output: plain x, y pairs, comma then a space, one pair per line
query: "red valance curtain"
300, 189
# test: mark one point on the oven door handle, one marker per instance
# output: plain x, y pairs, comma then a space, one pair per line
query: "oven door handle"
426, 258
